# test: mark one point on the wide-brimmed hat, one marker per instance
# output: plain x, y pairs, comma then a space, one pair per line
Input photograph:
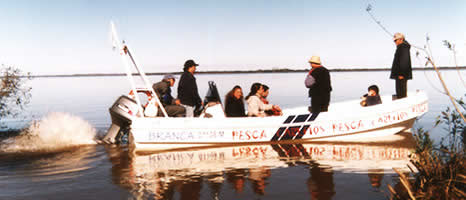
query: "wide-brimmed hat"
190, 63
315, 60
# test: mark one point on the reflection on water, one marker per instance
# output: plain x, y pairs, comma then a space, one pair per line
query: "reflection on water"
320, 182
36, 175
250, 170
375, 177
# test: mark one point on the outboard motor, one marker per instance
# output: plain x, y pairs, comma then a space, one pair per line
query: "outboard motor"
122, 113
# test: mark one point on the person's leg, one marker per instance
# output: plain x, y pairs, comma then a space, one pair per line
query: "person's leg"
189, 110
316, 108
175, 111
404, 88
325, 102
398, 89
313, 116
324, 108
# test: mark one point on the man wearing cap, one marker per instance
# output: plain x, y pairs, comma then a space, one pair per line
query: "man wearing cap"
401, 67
163, 90
318, 82
187, 88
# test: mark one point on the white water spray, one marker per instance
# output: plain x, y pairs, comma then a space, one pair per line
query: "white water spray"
54, 131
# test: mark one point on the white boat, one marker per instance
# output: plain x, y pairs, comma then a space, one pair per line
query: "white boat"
344, 121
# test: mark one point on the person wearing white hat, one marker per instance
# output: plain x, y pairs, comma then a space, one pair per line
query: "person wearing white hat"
319, 84
401, 67
163, 90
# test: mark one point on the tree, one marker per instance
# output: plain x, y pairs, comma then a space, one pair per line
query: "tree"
14, 94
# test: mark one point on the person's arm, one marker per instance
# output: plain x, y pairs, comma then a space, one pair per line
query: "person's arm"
242, 111
363, 102
185, 87
159, 90
227, 107
181, 87
196, 96
266, 106
318, 76
253, 106
379, 100
309, 81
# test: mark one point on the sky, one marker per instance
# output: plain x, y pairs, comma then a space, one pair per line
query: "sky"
73, 36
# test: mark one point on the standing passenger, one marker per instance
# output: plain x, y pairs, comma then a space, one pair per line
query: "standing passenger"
401, 67
318, 82
187, 88
234, 105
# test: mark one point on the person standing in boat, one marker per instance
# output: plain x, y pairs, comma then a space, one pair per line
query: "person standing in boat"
319, 84
256, 107
401, 67
234, 103
163, 90
187, 89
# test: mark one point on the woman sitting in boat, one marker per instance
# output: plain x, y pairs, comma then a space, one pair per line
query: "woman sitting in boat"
234, 104
257, 108
265, 94
372, 97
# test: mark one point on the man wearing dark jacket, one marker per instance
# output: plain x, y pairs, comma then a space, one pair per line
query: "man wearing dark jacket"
163, 90
187, 88
318, 82
401, 67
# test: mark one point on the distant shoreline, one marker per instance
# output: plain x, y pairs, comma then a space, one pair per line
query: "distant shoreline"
241, 72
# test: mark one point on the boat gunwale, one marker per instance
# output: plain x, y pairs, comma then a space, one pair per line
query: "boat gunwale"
409, 121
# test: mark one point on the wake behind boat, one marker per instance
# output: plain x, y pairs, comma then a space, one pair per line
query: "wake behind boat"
344, 120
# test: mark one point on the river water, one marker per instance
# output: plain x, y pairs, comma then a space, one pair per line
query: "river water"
59, 159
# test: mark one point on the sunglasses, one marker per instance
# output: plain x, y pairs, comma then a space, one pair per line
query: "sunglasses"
395, 40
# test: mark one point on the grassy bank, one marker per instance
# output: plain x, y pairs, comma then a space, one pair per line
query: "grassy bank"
437, 171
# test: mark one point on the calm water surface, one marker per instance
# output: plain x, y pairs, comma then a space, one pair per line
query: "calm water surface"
59, 159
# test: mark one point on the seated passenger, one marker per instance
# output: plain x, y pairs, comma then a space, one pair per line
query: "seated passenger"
256, 107
234, 105
276, 112
372, 97
163, 91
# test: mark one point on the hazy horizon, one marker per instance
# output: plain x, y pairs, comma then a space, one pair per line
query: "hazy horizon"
72, 37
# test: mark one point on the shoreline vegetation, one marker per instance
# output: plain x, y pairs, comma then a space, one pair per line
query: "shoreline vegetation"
280, 70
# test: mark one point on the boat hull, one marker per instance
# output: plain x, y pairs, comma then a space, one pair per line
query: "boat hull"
346, 121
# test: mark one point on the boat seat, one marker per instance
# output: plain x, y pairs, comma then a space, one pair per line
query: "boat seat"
213, 110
